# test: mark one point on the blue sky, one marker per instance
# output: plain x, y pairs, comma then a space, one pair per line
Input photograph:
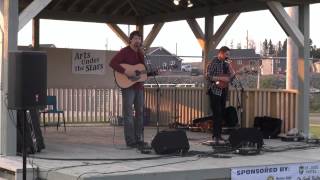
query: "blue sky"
259, 24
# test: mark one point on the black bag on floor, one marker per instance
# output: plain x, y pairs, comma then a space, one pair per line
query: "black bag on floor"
246, 140
231, 116
270, 127
171, 141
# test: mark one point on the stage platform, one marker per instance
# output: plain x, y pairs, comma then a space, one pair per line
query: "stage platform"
105, 144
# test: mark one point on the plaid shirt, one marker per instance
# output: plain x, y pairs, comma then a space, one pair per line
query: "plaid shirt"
216, 68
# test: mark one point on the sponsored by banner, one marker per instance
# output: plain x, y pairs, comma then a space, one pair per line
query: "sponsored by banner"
303, 171
88, 62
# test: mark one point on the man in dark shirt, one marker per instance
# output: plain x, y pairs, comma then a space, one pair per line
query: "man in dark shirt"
132, 55
218, 72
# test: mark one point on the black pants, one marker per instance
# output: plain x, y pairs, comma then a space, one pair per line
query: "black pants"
217, 104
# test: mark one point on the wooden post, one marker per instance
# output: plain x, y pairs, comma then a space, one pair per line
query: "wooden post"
9, 25
35, 33
304, 70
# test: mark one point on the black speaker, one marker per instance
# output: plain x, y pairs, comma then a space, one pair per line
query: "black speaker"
27, 80
171, 141
269, 126
246, 140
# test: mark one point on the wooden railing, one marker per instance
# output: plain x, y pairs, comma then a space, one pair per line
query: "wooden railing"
87, 105
176, 104
185, 104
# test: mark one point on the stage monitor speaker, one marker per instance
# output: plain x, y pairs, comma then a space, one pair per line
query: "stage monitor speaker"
246, 140
269, 126
171, 141
27, 80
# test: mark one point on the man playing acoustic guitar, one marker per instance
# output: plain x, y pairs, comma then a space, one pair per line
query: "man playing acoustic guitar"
219, 74
130, 72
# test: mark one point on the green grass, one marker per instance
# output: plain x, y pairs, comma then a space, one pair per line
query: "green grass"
315, 130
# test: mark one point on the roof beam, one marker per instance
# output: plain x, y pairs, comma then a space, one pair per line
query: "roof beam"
286, 22
57, 4
152, 34
197, 31
119, 7
133, 7
73, 4
86, 17
103, 7
87, 7
197, 12
222, 31
116, 29
34, 8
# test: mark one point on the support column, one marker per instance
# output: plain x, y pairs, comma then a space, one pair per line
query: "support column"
304, 70
9, 26
35, 33
292, 54
208, 33
139, 27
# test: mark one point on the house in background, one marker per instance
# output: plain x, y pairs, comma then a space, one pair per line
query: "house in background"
273, 65
242, 60
160, 58
316, 66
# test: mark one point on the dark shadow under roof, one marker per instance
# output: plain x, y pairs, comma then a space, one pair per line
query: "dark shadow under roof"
146, 11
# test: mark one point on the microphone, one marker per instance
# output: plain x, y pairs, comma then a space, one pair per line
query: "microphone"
228, 60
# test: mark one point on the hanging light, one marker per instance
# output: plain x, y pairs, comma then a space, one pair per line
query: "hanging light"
190, 4
176, 2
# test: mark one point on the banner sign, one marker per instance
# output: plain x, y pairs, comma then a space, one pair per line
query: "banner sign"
88, 62
303, 171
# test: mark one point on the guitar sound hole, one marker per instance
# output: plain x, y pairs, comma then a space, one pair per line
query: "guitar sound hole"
137, 73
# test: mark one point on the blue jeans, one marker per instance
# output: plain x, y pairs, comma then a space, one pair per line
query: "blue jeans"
133, 126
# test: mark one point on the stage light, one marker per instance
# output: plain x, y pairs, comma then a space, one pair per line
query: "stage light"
190, 4
176, 2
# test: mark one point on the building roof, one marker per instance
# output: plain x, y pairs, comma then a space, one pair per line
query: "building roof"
147, 11
161, 53
243, 54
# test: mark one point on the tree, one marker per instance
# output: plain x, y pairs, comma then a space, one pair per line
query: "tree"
279, 49
239, 45
252, 45
265, 47
284, 48
271, 48
231, 44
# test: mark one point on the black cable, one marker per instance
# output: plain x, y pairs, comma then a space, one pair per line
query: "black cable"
104, 159
139, 168
75, 166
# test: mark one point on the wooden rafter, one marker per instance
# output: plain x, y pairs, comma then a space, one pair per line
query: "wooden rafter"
58, 3
73, 5
169, 7
146, 8
104, 6
119, 6
223, 29
86, 17
116, 29
197, 31
152, 34
156, 7
88, 6
133, 7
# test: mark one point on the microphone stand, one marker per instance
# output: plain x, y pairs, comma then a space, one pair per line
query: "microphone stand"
157, 93
240, 101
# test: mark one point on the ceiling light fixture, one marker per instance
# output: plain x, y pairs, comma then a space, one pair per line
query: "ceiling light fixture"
190, 4
176, 2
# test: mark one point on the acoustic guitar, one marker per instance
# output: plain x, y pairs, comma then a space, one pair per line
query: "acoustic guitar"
139, 71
